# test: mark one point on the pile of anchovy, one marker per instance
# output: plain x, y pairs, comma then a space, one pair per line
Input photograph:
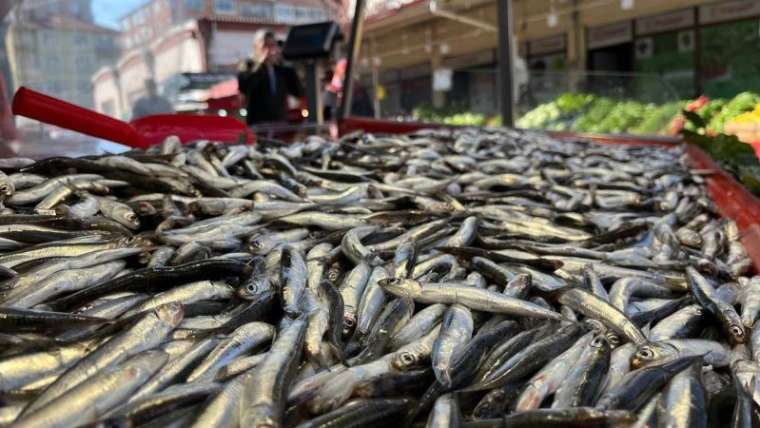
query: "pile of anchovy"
472, 277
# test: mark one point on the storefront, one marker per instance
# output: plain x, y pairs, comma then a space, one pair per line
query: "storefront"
473, 81
610, 48
665, 46
547, 54
610, 59
729, 48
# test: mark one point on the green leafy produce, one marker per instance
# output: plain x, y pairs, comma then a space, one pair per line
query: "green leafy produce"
745, 101
572, 103
589, 113
657, 119
727, 151
453, 115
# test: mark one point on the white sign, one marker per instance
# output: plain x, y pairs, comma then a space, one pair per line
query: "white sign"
442, 79
610, 35
728, 10
666, 22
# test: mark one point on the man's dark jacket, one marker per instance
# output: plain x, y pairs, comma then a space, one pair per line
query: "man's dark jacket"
263, 104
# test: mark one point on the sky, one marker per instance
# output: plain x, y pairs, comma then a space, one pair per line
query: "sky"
108, 12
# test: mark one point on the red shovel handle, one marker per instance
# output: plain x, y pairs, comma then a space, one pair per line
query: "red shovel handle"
51, 110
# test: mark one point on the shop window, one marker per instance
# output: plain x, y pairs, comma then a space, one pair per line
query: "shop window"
729, 58
671, 57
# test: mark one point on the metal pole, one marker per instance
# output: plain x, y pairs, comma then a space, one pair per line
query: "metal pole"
314, 91
505, 62
354, 47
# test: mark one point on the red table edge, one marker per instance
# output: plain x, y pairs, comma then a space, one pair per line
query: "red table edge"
732, 199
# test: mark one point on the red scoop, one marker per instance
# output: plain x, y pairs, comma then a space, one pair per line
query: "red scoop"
140, 133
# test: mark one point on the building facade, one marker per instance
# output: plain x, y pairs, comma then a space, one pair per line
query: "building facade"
645, 49
38, 10
58, 54
144, 24
188, 45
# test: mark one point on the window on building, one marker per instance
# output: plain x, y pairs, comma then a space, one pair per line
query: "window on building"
156, 7
80, 39
301, 13
104, 42
284, 13
194, 5
247, 9
84, 64
226, 7
263, 11
728, 71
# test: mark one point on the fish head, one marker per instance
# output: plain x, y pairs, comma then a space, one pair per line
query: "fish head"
736, 330
172, 313
596, 326
401, 287
600, 344
333, 273
127, 217
652, 353
6, 188
405, 360
255, 287
257, 246
349, 322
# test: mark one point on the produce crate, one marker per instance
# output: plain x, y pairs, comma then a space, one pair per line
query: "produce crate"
731, 198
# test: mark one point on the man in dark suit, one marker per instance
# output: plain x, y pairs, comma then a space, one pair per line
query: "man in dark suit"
269, 84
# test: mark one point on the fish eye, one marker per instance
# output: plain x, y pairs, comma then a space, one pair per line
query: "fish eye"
349, 322
407, 358
645, 353
251, 287
598, 342
131, 216
256, 244
736, 331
